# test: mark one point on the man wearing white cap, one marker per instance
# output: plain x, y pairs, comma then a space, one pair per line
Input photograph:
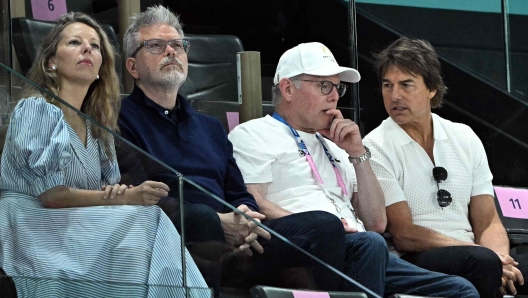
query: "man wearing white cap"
290, 168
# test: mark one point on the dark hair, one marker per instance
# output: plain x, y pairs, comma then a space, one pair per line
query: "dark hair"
102, 102
417, 57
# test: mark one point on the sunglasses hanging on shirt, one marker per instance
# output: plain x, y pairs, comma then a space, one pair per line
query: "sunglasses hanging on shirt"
443, 196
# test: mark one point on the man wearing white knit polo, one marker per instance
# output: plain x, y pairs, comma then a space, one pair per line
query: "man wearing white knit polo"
436, 179
307, 157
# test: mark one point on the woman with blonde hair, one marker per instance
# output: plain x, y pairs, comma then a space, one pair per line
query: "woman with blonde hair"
56, 163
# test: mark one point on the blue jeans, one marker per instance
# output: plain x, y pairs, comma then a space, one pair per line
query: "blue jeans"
361, 256
317, 232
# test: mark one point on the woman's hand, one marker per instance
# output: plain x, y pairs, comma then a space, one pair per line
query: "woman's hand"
147, 193
111, 191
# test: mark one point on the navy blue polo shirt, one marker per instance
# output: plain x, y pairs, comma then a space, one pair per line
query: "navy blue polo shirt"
192, 143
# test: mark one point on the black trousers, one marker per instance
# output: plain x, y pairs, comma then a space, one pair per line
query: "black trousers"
7, 287
480, 265
522, 259
204, 237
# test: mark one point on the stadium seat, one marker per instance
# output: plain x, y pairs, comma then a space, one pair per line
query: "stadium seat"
28, 35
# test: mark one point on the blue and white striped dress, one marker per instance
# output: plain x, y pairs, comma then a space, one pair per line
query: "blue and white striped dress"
103, 251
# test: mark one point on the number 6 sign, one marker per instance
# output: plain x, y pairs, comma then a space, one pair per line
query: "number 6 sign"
48, 10
513, 201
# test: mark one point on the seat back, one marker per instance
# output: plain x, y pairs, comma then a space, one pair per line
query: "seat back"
28, 35
212, 72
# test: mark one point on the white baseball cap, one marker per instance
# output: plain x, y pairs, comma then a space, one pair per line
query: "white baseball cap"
312, 58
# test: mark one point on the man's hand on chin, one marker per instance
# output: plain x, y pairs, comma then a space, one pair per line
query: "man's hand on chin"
344, 133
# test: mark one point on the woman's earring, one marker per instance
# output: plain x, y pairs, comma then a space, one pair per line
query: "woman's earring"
54, 67
97, 77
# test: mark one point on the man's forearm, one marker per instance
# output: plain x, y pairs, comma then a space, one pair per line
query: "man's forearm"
494, 238
414, 238
487, 226
271, 210
370, 202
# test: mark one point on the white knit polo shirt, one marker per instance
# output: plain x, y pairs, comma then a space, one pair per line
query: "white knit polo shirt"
405, 173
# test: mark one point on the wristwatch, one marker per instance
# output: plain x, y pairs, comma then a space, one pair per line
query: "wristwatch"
362, 158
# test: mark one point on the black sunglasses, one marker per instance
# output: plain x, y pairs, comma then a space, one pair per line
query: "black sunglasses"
443, 196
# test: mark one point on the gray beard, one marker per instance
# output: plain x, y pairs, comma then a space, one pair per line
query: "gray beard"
168, 81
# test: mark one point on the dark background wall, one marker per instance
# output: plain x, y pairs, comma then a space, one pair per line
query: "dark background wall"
473, 40
470, 44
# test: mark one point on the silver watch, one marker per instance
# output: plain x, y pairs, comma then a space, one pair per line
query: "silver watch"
362, 158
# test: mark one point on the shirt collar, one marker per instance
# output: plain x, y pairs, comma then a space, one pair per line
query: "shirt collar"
181, 111
404, 139
438, 129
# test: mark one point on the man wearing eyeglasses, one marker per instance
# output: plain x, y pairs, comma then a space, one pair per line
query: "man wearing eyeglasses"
435, 177
161, 122
307, 157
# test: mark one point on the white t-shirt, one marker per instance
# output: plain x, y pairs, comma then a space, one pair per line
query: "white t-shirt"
267, 152
405, 173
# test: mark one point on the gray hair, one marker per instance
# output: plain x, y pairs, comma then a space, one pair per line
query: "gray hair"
276, 96
156, 14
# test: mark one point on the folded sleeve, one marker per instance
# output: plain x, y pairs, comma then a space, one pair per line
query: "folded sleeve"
36, 148
253, 155
482, 177
235, 190
388, 171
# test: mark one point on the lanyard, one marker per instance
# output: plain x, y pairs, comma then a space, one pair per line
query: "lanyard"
309, 159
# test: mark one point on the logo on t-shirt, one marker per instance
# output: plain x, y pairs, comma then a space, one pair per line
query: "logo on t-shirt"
301, 153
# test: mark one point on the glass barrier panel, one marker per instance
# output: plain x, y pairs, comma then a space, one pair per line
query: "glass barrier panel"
5, 58
147, 250
81, 251
49, 287
518, 22
468, 35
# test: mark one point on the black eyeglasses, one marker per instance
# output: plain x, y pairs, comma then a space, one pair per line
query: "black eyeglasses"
443, 196
327, 87
158, 46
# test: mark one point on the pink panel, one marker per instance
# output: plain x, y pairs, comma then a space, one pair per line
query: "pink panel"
48, 10
513, 201
232, 120
301, 294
